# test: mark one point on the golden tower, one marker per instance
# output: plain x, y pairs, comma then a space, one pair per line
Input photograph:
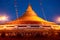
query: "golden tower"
30, 17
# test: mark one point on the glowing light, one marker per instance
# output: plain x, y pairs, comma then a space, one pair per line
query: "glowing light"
57, 20
56, 27
3, 18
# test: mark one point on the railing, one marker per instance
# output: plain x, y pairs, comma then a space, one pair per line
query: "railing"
23, 26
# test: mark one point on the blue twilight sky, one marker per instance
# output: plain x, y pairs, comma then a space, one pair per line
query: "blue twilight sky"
51, 8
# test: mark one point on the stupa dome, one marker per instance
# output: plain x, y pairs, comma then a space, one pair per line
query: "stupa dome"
30, 17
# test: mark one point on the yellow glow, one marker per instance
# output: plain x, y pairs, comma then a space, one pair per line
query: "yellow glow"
56, 27
57, 20
3, 18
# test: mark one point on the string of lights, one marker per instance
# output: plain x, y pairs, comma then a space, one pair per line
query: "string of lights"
42, 9
16, 9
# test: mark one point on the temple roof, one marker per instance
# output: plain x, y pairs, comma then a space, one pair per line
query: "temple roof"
30, 17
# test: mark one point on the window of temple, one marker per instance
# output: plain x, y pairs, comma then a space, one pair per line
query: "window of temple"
22, 26
35, 26
46, 26
9, 26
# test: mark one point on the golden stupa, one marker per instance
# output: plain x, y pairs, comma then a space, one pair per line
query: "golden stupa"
30, 17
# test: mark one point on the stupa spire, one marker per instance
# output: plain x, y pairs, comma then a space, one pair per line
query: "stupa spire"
29, 8
29, 11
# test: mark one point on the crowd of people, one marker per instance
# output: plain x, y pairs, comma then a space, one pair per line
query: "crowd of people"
46, 35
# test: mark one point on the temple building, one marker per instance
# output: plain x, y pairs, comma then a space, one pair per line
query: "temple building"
30, 17
28, 25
